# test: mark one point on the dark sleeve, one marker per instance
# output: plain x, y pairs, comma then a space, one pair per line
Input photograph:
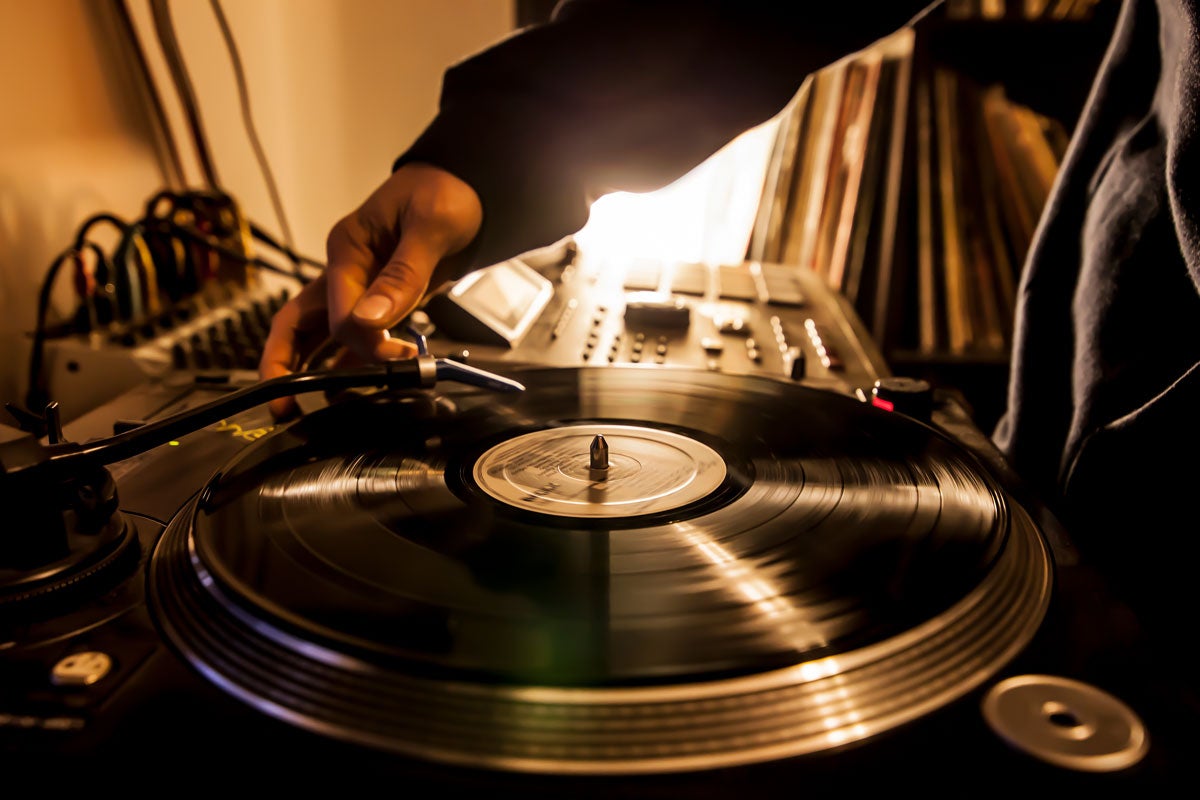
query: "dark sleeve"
625, 95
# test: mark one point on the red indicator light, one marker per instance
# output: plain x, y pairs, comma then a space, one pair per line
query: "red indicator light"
886, 405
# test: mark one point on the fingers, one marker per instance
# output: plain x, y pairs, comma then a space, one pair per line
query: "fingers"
280, 351
394, 292
400, 285
350, 267
380, 259
295, 329
420, 215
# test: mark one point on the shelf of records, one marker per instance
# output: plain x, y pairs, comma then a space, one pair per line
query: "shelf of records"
914, 191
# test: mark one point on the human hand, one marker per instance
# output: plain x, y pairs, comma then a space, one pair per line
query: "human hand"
381, 259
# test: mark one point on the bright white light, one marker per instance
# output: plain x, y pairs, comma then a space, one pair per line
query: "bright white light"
706, 216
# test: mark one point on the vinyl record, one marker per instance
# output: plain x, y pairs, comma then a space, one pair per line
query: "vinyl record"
619, 570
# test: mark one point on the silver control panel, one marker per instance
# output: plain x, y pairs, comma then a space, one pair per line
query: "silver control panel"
741, 318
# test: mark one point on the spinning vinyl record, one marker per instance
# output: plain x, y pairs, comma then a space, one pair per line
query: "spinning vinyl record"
618, 570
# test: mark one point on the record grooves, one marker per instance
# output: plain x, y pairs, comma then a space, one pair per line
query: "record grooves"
818, 573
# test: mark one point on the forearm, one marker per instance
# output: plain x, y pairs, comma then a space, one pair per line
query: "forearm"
624, 95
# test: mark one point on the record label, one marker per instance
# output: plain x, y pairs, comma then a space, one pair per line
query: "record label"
647, 470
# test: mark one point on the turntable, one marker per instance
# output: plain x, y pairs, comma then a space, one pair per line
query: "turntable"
628, 579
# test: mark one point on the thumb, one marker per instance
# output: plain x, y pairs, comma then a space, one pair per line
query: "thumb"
398, 287
441, 217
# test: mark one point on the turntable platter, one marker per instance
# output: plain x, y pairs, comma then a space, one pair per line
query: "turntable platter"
619, 570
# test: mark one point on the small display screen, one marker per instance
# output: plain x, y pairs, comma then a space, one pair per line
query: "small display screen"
493, 305
504, 295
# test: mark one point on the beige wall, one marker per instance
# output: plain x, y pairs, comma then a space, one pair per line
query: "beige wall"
337, 88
